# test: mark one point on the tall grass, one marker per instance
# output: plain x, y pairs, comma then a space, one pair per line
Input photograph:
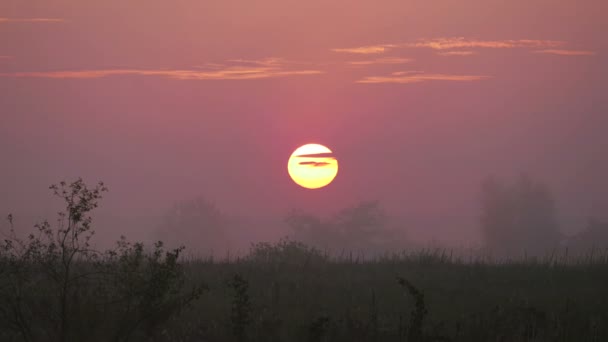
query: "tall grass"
438, 296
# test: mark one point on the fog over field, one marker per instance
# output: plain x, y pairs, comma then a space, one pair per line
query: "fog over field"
303, 170
420, 103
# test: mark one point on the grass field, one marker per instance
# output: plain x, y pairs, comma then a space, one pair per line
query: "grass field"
290, 292
299, 298
55, 287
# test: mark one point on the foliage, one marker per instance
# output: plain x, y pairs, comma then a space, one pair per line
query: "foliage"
415, 330
241, 307
55, 287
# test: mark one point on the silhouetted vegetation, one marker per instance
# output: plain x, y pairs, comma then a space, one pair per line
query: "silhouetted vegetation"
54, 287
284, 251
240, 316
435, 298
415, 330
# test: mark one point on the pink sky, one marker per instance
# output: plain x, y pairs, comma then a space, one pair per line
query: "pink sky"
419, 100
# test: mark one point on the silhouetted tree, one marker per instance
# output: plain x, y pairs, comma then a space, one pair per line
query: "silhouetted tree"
363, 226
518, 218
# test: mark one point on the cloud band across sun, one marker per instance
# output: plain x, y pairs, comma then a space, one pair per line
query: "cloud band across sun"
315, 164
312, 166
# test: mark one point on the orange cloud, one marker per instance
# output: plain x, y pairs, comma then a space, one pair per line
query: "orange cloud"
457, 53
387, 60
234, 69
229, 73
456, 43
271, 61
366, 50
567, 52
31, 20
405, 77
461, 42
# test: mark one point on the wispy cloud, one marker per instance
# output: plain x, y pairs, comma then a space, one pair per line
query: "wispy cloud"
456, 53
237, 69
5, 57
230, 73
270, 62
461, 42
405, 77
31, 20
567, 52
367, 50
387, 60
451, 43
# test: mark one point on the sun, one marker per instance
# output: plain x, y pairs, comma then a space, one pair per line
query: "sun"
312, 166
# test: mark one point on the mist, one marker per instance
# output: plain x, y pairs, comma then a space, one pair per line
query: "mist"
288, 170
421, 150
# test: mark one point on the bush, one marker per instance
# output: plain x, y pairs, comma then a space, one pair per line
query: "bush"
55, 287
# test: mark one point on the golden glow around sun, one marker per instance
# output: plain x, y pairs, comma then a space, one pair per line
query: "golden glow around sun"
312, 166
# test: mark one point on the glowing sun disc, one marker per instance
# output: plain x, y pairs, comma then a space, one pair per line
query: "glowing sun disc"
312, 166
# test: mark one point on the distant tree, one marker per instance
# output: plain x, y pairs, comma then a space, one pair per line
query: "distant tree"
311, 230
518, 218
198, 223
593, 237
360, 228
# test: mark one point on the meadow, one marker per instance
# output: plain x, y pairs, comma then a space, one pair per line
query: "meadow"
424, 296
54, 286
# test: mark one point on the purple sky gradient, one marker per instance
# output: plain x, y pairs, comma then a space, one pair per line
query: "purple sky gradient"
418, 100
